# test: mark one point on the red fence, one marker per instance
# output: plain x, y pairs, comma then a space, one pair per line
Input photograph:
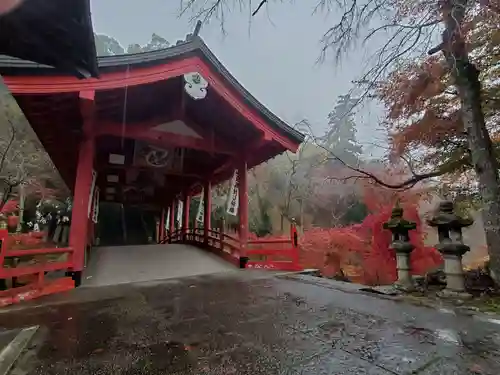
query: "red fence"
26, 271
274, 254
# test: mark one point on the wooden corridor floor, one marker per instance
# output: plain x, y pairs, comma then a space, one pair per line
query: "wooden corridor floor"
128, 264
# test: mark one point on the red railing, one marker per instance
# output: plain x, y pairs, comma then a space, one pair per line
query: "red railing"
15, 270
273, 254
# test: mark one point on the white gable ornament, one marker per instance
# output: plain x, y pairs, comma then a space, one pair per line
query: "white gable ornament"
196, 85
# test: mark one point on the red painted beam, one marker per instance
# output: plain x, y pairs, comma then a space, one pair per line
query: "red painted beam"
107, 81
161, 139
151, 74
106, 167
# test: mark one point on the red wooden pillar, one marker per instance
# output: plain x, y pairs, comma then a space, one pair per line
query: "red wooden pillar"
157, 231
185, 214
207, 209
78, 238
243, 210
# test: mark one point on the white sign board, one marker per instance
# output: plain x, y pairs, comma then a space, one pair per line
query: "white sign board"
201, 209
91, 196
180, 208
167, 220
233, 201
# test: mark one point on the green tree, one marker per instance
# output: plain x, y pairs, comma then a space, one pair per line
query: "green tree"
340, 137
109, 46
261, 223
156, 43
356, 213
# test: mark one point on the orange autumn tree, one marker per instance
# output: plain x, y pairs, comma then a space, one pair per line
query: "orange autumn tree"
423, 107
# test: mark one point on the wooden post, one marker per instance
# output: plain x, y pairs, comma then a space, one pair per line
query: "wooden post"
221, 234
4, 233
243, 211
162, 225
185, 215
171, 224
207, 202
79, 215
157, 231
294, 238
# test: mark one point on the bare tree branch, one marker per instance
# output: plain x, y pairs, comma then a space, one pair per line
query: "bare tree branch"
363, 174
261, 4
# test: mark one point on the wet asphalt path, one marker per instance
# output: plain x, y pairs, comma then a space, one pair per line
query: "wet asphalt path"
248, 323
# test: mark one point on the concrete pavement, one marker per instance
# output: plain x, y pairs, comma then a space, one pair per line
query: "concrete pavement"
248, 322
126, 264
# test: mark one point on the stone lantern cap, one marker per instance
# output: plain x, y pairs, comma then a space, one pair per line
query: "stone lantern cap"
400, 226
447, 217
397, 224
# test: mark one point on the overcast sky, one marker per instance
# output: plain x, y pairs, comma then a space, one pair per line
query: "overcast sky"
274, 57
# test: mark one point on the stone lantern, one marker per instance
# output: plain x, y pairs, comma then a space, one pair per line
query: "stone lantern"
400, 229
449, 226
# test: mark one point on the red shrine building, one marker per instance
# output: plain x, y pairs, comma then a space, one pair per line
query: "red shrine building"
147, 130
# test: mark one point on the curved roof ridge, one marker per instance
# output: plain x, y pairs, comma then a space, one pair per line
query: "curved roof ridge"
193, 45
244, 92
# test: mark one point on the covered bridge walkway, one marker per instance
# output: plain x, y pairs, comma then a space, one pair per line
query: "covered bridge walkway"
152, 131
137, 263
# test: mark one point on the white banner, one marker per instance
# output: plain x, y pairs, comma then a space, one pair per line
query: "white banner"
167, 220
91, 196
95, 211
180, 208
201, 209
233, 202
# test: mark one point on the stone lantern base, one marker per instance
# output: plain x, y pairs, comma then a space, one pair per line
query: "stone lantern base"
405, 281
455, 282
447, 293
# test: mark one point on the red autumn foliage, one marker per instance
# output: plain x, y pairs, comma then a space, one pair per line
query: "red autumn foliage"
362, 251
10, 207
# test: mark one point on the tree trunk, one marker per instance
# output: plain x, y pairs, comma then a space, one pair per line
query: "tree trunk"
22, 199
301, 215
484, 161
